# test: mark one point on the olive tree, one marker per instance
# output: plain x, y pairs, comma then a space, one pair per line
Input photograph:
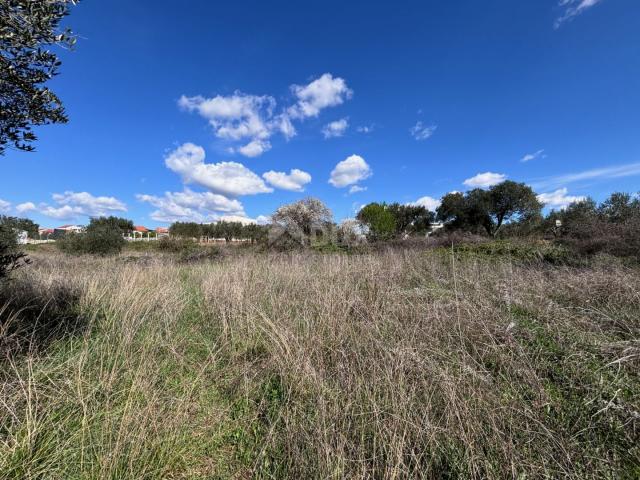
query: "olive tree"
27, 29
489, 210
411, 219
103, 236
511, 201
186, 230
25, 224
124, 225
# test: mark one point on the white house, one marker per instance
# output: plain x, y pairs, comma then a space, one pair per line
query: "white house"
71, 228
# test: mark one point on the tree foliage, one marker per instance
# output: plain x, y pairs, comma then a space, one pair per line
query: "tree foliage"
620, 207
613, 227
303, 220
16, 223
102, 237
11, 257
489, 210
124, 225
185, 230
384, 221
380, 223
221, 229
411, 219
509, 201
349, 233
27, 29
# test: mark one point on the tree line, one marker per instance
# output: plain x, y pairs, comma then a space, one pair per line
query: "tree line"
476, 211
508, 209
228, 231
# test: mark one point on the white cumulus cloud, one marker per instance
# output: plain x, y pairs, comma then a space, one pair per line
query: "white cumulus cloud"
226, 178
72, 205
427, 202
420, 131
335, 128
484, 180
254, 119
191, 206
255, 148
295, 180
234, 117
25, 207
241, 117
319, 94
559, 198
350, 171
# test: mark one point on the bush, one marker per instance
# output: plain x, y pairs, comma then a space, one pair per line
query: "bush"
99, 240
187, 250
141, 246
176, 245
199, 253
523, 252
597, 236
10, 256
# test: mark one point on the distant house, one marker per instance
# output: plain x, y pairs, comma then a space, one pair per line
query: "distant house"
162, 232
71, 228
65, 229
44, 233
141, 232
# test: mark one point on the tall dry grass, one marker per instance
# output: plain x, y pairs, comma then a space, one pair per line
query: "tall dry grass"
398, 364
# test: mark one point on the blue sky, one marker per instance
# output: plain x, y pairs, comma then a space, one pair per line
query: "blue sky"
203, 110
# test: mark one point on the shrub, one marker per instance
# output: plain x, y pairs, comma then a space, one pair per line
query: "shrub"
522, 252
98, 240
187, 250
199, 253
20, 224
598, 236
176, 245
10, 256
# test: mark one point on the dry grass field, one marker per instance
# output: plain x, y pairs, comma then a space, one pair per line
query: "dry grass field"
387, 365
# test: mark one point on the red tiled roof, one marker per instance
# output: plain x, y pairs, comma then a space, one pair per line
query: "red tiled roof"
140, 228
162, 230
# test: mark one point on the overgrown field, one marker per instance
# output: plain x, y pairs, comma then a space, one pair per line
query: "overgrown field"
393, 364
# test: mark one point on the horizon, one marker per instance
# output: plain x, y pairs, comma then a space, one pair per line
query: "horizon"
208, 112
